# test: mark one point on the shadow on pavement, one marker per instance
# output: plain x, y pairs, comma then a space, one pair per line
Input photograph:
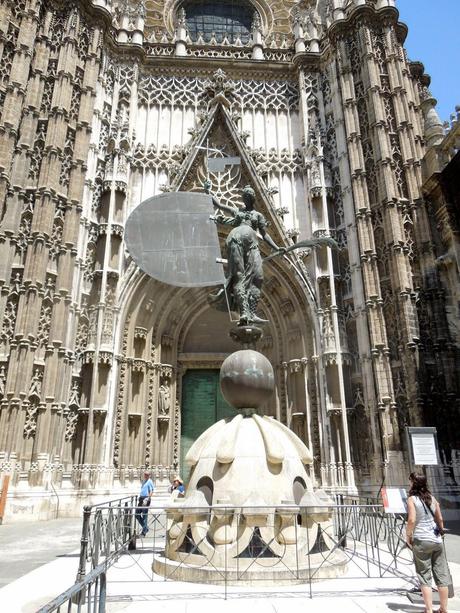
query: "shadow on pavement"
396, 606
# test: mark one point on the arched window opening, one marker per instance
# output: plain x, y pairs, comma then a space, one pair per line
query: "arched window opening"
207, 20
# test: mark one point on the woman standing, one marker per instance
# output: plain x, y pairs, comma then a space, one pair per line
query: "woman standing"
424, 531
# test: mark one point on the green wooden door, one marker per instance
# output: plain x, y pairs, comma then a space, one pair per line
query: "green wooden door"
202, 405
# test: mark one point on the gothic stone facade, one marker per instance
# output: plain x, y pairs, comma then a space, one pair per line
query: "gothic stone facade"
105, 103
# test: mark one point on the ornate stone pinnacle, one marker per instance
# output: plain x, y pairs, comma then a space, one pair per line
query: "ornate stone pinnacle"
256, 22
181, 17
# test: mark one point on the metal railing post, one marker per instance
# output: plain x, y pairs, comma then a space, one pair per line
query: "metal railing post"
225, 557
342, 530
309, 547
108, 534
80, 598
102, 593
97, 538
130, 517
296, 546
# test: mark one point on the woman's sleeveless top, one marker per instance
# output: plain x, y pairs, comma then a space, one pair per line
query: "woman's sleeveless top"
424, 521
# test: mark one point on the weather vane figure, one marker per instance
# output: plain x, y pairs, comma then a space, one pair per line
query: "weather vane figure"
245, 267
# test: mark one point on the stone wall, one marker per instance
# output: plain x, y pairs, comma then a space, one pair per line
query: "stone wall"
331, 121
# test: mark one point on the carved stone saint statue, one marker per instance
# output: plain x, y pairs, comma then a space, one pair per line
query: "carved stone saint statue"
164, 401
36, 386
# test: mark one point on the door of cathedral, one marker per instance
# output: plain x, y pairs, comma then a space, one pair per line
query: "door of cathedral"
202, 406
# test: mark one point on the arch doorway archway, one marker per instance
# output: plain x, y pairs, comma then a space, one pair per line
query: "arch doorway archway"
173, 344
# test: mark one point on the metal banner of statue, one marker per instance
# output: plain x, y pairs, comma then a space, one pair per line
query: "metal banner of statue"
173, 238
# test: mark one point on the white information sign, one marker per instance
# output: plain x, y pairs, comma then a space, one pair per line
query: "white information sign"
394, 500
424, 448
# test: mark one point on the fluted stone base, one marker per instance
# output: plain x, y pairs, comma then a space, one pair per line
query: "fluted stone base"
249, 572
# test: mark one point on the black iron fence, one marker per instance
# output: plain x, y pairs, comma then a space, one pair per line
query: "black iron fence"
284, 544
107, 530
88, 595
228, 545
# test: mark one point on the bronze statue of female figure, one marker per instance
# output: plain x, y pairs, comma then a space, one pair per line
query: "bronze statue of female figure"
244, 272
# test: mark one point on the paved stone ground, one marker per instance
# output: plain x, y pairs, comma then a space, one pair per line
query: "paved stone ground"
453, 542
27, 545
31, 544
50, 551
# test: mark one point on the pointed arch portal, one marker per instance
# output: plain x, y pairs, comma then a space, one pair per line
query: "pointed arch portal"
184, 341
170, 332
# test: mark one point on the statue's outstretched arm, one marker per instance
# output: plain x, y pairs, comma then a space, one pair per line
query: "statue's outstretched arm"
223, 207
309, 242
268, 239
316, 242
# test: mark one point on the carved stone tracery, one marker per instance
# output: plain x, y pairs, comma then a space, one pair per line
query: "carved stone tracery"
90, 127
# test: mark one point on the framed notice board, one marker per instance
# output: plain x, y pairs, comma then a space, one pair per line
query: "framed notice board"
423, 446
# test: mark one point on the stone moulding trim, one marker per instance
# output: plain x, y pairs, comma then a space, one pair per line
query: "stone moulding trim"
366, 13
190, 358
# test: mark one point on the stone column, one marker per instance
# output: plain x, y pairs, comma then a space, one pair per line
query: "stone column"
380, 374
321, 198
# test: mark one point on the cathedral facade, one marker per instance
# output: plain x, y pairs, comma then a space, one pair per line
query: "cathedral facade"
105, 371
